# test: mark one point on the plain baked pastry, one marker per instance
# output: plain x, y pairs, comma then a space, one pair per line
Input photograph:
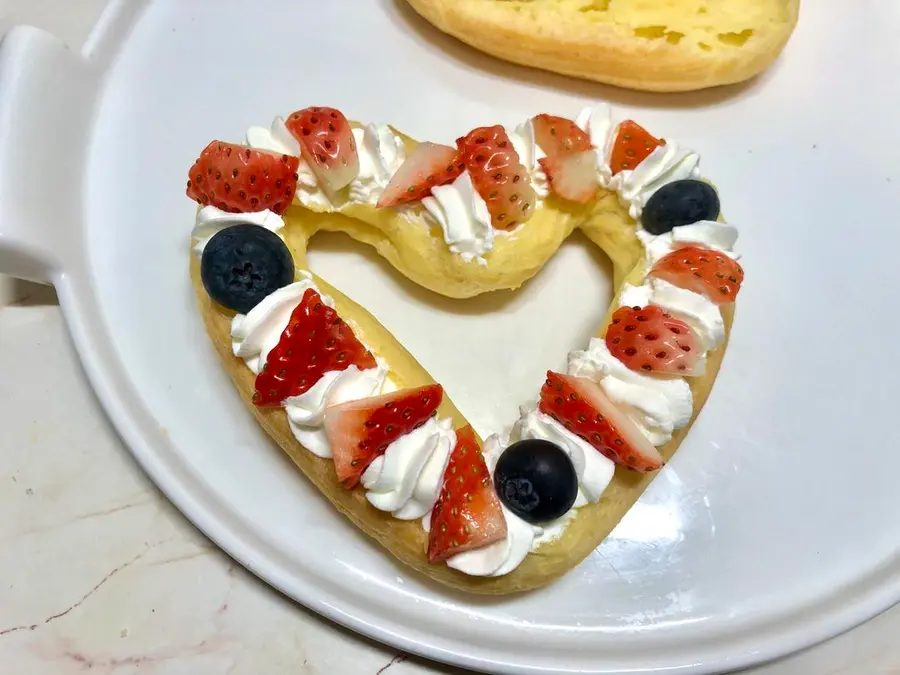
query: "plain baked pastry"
664, 45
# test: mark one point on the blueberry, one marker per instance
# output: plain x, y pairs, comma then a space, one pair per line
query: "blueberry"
244, 263
536, 480
681, 202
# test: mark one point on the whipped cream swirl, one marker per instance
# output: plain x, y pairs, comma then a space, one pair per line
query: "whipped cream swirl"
407, 478
381, 153
664, 165
463, 217
657, 405
705, 233
211, 220
530, 154
306, 412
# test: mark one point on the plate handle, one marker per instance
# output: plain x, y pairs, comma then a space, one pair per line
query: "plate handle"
47, 96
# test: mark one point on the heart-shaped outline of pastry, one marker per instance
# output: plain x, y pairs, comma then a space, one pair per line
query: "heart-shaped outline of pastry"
514, 259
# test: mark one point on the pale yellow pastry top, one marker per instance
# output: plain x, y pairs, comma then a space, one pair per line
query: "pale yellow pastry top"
662, 45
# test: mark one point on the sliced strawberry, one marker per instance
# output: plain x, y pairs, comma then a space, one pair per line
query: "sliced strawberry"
632, 146
327, 144
240, 180
573, 176
709, 273
582, 408
467, 514
429, 165
359, 431
558, 135
648, 339
315, 341
498, 175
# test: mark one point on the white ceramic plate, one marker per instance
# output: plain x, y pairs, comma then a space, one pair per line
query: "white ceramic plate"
775, 525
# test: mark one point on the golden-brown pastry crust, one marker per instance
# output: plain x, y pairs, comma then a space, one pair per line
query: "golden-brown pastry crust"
661, 46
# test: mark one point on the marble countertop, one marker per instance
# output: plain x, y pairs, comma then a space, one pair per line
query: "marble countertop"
101, 574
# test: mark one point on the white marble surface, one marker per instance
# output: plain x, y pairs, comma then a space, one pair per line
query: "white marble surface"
98, 573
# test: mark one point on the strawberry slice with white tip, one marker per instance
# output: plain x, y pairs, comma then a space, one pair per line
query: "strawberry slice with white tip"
467, 514
582, 408
559, 135
327, 144
428, 166
359, 431
498, 175
573, 175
